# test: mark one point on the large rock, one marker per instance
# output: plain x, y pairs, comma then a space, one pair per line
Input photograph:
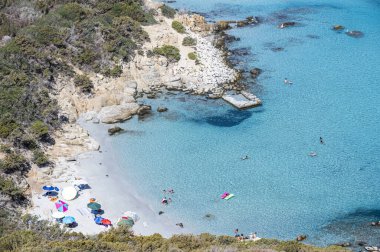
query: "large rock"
118, 113
114, 130
144, 110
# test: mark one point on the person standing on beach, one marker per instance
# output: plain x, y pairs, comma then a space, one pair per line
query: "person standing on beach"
236, 232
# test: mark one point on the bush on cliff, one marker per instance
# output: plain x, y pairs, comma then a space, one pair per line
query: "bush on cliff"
168, 51
178, 27
189, 41
84, 83
167, 11
40, 158
8, 187
13, 162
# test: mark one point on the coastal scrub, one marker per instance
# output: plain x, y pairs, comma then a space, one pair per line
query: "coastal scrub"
178, 27
189, 41
192, 56
168, 51
167, 11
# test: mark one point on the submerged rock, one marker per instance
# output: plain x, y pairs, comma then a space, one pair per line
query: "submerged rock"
338, 27
343, 244
286, 24
355, 34
162, 109
114, 130
144, 110
255, 72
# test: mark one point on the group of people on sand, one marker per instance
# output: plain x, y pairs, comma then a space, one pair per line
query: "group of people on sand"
250, 237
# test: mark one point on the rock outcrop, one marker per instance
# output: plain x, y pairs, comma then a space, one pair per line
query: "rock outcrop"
118, 113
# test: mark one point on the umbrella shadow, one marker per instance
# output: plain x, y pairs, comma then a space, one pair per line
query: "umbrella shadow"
50, 193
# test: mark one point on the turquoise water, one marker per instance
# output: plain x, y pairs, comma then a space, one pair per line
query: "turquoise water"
280, 191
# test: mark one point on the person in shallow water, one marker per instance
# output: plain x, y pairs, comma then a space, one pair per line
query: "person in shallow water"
179, 224
236, 232
321, 140
164, 201
286, 81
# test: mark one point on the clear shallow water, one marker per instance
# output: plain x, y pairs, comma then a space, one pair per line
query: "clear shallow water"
280, 191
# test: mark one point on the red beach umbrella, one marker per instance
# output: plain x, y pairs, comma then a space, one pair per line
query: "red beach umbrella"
106, 222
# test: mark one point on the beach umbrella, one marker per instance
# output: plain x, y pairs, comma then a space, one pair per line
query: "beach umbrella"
94, 206
61, 206
58, 215
98, 220
50, 188
125, 222
68, 220
106, 222
69, 193
132, 215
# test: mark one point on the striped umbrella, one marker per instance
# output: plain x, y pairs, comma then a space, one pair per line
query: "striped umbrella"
61, 206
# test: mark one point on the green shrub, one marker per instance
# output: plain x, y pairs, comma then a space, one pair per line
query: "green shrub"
178, 27
8, 187
40, 159
168, 51
14, 162
84, 83
116, 71
167, 11
72, 12
29, 143
189, 41
39, 129
192, 56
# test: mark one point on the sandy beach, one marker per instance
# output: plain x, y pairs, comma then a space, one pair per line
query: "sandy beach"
113, 192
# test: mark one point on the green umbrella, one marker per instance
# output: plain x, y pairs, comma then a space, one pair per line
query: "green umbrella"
94, 206
126, 222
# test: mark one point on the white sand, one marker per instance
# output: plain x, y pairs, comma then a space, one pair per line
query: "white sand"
113, 192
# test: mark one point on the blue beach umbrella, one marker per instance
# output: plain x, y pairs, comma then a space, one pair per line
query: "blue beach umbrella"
50, 188
98, 220
68, 220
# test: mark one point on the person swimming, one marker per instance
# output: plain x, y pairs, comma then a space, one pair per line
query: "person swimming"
244, 158
286, 81
321, 140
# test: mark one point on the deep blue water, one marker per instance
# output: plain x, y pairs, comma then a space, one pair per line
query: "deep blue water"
280, 191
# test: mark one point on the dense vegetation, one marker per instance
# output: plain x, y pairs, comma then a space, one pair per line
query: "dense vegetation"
42, 40
30, 234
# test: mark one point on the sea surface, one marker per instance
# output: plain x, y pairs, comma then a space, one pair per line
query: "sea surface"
280, 191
